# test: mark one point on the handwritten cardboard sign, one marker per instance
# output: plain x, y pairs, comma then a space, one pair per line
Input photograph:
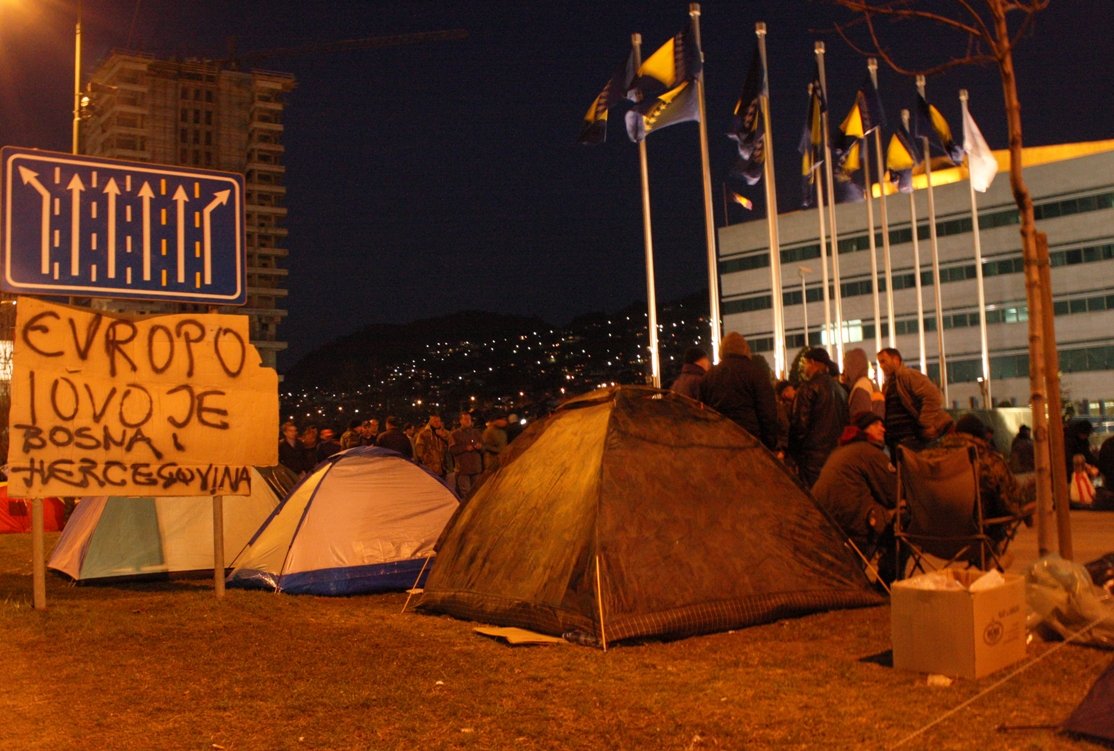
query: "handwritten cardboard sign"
110, 403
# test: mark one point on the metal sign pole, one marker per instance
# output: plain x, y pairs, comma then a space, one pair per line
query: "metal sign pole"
218, 546
38, 555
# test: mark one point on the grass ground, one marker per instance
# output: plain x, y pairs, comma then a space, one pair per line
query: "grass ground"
166, 666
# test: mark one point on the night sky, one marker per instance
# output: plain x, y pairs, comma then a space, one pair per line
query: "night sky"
432, 178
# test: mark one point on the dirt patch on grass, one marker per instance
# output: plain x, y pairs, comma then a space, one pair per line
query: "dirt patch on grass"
166, 666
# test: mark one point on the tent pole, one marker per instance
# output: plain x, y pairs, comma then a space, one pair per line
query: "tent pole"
410, 592
599, 601
218, 546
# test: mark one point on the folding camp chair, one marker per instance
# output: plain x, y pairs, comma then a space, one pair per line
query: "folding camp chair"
940, 511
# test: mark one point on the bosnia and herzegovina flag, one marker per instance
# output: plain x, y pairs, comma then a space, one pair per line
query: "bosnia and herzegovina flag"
902, 156
931, 124
866, 114
848, 161
617, 89
811, 145
666, 82
747, 127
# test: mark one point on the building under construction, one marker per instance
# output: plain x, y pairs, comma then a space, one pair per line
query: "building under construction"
204, 114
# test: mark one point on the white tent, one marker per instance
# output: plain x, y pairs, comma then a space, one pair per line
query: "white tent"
364, 521
109, 538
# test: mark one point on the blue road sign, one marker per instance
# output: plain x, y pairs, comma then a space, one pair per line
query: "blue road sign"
85, 226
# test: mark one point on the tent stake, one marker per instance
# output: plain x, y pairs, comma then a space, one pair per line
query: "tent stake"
410, 592
599, 601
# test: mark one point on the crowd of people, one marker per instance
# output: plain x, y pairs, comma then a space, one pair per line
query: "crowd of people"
840, 433
457, 456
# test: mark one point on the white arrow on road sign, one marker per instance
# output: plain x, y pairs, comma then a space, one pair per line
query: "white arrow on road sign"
220, 199
146, 194
180, 198
75, 186
31, 178
112, 190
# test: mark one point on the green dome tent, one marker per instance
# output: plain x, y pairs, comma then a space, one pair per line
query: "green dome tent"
632, 512
112, 539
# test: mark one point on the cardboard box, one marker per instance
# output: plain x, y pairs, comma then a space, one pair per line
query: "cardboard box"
956, 632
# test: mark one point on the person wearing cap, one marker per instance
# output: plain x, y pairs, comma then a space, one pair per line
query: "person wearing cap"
858, 487
494, 438
514, 427
328, 445
915, 413
394, 439
818, 418
696, 364
999, 490
741, 391
1077, 440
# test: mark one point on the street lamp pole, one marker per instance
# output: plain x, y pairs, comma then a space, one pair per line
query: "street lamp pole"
801, 271
77, 82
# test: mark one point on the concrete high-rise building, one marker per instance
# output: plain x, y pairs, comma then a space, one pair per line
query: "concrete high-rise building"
1073, 195
202, 114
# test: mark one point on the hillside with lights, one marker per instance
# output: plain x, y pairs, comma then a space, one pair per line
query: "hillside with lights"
484, 361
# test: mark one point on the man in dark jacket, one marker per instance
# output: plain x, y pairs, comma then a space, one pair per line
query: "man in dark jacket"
858, 487
394, 439
328, 445
291, 454
1077, 440
696, 364
466, 445
915, 413
741, 391
818, 418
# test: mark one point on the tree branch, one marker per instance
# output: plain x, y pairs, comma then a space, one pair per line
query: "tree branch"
861, 6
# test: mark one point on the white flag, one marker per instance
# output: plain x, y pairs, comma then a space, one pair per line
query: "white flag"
980, 161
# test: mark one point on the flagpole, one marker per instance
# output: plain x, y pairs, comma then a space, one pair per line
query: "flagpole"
872, 65
916, 265
771, 211
726, 216
935, 262
831, 209
709, 220
873, 250
824, 265
978, 267
647, 233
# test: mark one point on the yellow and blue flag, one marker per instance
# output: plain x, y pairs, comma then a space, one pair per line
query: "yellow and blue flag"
931, 124
666, 85
618, 88
811, 146
747, 127
866, 114
902, 156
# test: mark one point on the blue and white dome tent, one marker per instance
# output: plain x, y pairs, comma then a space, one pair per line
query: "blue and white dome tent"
364, 520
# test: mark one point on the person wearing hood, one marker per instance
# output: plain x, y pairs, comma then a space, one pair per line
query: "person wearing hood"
858, 488
818, 418
696, 364
863, 395
740, 390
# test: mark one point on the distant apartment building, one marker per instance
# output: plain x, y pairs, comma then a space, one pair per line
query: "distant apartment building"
202, 114
1072, 188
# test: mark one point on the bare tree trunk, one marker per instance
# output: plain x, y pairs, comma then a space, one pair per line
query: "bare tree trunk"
1037, 384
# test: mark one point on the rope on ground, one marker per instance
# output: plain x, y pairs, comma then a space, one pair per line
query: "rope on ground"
1009, 677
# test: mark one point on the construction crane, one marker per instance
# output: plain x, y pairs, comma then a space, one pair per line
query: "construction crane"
394, 40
